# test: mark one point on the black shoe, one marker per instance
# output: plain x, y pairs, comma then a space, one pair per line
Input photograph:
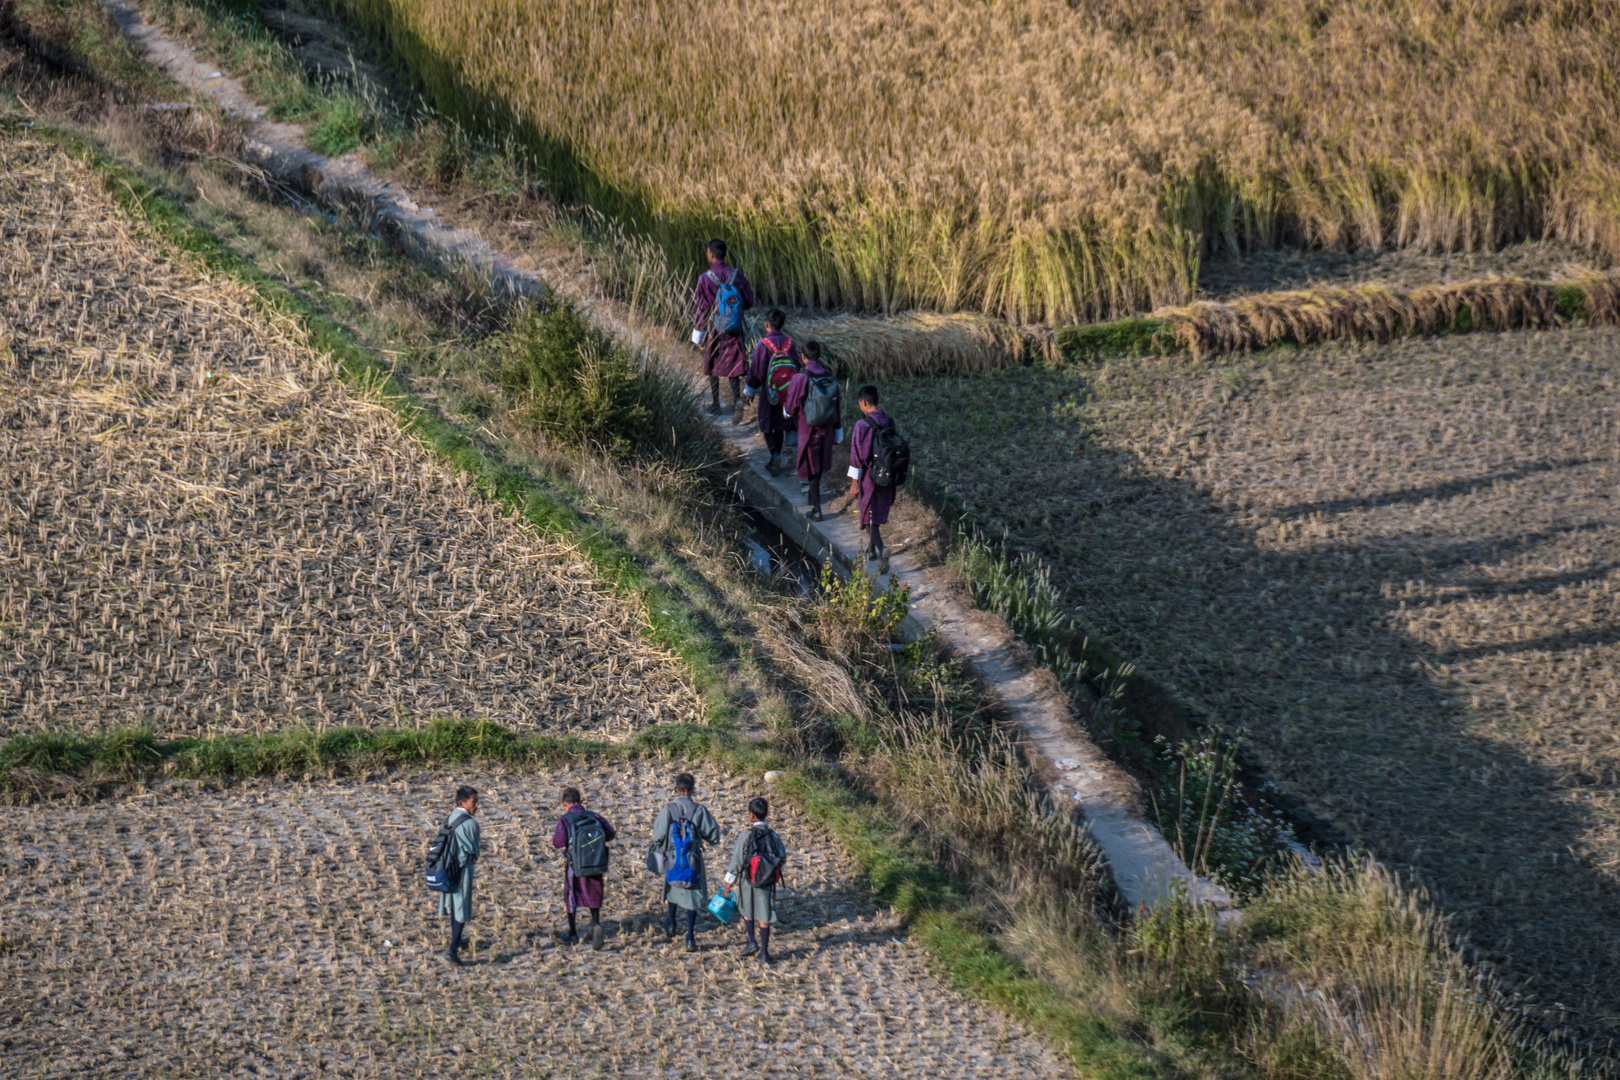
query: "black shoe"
451, 957
691, 944
596, 938
767, 959
883, 560
772, 467
814, 513
751, 950
714, 408
669, 931
569, 938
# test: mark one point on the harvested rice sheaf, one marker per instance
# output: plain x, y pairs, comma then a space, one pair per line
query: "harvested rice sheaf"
201, 529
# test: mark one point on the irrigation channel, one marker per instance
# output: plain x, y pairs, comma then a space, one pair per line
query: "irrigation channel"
1145, 868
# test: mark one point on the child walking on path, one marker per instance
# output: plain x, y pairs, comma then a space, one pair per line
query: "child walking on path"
774, 364
755, 871
583, 836
680, 832
723, 294
457, 904
813, 400
875, 500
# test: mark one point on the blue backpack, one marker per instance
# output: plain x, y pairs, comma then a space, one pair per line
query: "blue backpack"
726, 317
682, 838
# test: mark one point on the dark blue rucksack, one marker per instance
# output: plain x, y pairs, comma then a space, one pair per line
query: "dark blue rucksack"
444, 858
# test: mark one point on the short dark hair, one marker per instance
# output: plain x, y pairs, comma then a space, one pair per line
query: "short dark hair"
812, 350
684, 782
463, 793
571, 796
776, 319
717, 249
759, 807
868, 394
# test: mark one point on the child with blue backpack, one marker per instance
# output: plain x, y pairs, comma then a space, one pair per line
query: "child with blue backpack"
680, 832
723, 294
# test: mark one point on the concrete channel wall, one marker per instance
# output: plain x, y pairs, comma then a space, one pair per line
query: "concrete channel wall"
1145, 868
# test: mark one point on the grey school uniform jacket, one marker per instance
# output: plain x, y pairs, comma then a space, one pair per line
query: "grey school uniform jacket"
752, 903
707, 831
458, 904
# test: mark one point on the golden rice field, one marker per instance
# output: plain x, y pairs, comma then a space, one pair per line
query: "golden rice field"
1395, 569
202, 530
281, 929
1038, 159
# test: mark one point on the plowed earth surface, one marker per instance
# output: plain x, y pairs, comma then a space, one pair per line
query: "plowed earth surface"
1396, 569
201, 529
281, 930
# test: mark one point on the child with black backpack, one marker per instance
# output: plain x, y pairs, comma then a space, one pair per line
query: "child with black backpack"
816, 404
450, 865
878, 461
680, 832
583, 836
755, 871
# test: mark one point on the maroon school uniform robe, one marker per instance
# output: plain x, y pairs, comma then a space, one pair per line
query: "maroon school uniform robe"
724, 355
815, 443
771, 417
579, 892
875, 501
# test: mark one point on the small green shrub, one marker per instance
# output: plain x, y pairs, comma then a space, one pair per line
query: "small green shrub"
346, 124
583, 387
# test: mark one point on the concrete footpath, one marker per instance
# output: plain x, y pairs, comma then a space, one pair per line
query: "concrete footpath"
1145, 868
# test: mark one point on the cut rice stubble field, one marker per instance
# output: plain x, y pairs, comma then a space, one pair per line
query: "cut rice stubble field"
1393, 568
281, 929
204, 531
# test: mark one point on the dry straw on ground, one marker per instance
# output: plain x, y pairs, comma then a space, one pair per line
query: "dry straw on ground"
283, 930
1397, 567
203, 530
1378, 312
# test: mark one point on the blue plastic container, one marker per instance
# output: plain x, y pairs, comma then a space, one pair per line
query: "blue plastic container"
723, 907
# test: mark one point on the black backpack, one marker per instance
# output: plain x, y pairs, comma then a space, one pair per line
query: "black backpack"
763, 867
587, 844
823, 404
891, 456
443, 867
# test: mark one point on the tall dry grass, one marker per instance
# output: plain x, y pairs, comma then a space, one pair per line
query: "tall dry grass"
1040, 160
857, 155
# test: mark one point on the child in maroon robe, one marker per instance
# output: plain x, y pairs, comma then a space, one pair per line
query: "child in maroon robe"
775, 361
580, 892
815, 443
724, 355
875, 501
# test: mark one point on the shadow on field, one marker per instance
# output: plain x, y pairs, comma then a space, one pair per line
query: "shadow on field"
1319, 627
